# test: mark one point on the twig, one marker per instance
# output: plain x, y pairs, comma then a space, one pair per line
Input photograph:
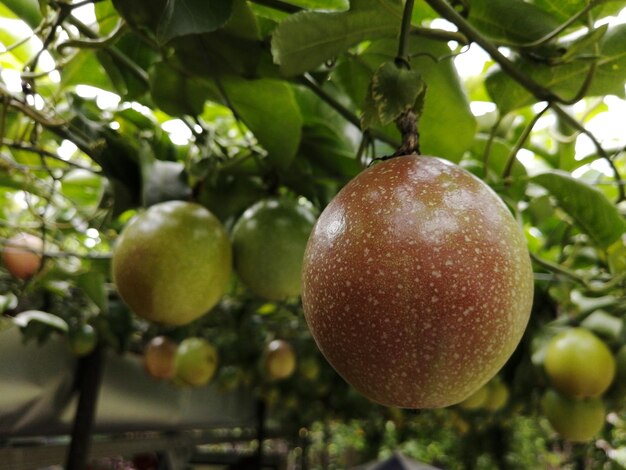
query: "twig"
449, 13
348, 115
401, 58
31, 148
601, 152
520, 143
112, 51
278, 5
98, 43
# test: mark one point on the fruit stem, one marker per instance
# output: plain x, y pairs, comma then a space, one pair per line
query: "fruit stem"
407, 125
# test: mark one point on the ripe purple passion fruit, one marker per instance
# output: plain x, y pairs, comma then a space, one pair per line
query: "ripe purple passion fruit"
417, 284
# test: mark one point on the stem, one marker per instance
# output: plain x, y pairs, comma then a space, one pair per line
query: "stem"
278, 5
46, 153
439, 34
554, 33
578, 126
449, 13
97, 43
402, 59
348, 115
520, 142
88, 378
113, 52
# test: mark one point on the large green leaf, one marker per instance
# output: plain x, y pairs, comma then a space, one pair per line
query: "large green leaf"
588, 206
219, 53
185, 17
305, 40
28, 10
565, 79
85, 69
511, 20
175, 93
564, 9
269, 109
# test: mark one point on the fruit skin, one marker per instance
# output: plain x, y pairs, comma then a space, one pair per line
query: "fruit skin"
579, 364
159, 357
279, 360
574, 420
172, 263
417, 283
18, 256
195, 361
269, 240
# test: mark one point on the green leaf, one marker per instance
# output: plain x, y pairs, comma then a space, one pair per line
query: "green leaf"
85, 69
93, 283
185, 17
565, 79
498, 158
305, 40
219, 53
28, 10
564, 9
269, 109
392, 91
107, 17
23, 319
588, 206
511, 20
176, 94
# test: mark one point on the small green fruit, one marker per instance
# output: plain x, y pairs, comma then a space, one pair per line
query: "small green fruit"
579, 364
83, 340
268, 246
172, 263
195, 362
476, 400
575, 420
498, 395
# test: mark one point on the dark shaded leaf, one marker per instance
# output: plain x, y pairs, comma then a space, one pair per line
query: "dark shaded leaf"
176, 94
185, 17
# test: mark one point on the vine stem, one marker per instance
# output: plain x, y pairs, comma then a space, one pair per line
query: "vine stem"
402, 59
348, 115
278, 5
448, 12
520, 142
